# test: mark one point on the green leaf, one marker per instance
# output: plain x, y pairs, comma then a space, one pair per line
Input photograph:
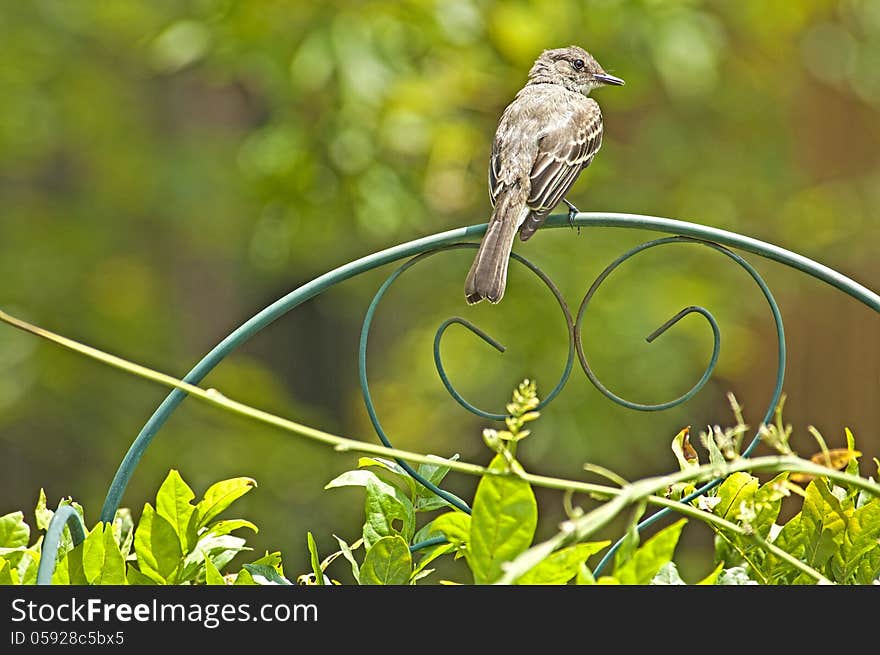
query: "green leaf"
213, 577
102, 560
135, 577
399, 478
123, 530
668, 575
767, 503
388, 562
503, 522
712, 578
221, 495
173, 503
14, 532
8, 574
345, 549
42, 513
388, 513
562, 565
426, 500
357, 478
822, 524
315, 559
650, 557
738, 488
263, 574
220, 549
861, 536
244, 577
219, 528
455, 526
157, 547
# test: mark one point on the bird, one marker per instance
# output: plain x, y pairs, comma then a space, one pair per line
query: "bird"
545, 137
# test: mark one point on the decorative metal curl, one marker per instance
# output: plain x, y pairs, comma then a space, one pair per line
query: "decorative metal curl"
716, 333
346, 271
362, 359
780, 367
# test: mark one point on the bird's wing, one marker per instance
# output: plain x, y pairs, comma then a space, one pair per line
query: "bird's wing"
567, 147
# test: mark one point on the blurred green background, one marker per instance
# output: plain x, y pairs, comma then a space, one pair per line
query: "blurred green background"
169, 168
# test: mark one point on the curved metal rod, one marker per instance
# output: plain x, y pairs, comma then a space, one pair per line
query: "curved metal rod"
716, 347
362, 360
316, 286
774, 399
569, 325
64, 515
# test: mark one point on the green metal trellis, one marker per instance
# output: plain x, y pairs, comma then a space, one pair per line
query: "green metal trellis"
684, 233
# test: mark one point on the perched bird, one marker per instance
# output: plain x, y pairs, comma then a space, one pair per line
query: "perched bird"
546, 136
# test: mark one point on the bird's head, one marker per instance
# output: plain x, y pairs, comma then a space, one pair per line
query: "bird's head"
572, 67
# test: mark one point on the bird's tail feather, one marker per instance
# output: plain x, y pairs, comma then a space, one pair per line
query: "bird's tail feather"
488, 275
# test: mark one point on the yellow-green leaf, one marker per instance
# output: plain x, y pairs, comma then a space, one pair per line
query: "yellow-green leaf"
503, 522
388, 562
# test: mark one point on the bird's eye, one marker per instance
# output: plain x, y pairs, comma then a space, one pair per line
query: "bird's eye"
578, 64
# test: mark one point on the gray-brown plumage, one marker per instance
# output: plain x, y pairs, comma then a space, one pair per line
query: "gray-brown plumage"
545, 138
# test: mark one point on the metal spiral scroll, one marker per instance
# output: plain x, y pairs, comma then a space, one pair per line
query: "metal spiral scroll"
416, 250
575, 345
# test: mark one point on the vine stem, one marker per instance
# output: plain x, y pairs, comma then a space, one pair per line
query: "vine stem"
644, 489
776, 464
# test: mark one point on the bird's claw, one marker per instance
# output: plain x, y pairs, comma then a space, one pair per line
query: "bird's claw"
572, 214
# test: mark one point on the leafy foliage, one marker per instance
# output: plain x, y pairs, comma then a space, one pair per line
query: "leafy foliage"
177, 541
835, 535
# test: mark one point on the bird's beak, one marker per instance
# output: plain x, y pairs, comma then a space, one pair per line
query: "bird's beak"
605, 78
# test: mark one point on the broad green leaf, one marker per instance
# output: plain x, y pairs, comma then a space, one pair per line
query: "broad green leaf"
455, 526
388, 513
767, 503
315, 559
73, 571
8, 574
263, 574
426, 500
399, 477
668, 575
135, 577
861, 536
102, 560
348, 555
174, 504
357, 478
650, 557
503, 522
212, 574
244, 578
388, 562
822, 524
220, 549
562, 565
14, 532
28, 565
42, 513
712, 578
272, 559
157, 546
738, 488
221, 495
219, 528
